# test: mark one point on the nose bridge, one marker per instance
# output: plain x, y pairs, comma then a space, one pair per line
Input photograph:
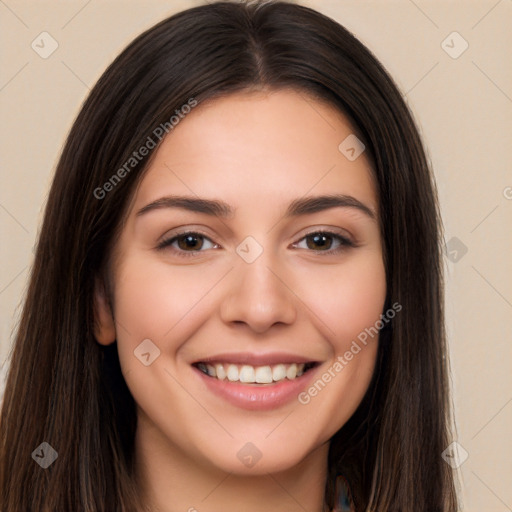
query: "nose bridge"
258, 297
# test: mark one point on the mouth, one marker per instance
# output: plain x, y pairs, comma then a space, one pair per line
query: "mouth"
256, 382
263, 375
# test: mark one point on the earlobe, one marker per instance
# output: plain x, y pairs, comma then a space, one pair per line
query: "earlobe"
104, 326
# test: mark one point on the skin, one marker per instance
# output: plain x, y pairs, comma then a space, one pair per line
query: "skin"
257, 151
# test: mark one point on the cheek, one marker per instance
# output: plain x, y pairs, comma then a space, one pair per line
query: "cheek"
349, 302
152, 298
156, 302
347, 298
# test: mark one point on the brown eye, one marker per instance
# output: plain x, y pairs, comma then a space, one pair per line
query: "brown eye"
324, 241
321, 241
190, 241
187, 243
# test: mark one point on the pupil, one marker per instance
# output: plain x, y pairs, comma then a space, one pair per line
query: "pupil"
189, 242
322, 241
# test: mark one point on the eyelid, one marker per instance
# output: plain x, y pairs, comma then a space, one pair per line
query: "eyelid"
345, 241
166, 240
330, 230
184, 230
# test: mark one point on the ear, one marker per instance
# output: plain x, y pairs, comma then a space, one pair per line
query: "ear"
104, 326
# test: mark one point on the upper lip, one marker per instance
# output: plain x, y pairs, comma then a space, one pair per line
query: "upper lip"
254, 359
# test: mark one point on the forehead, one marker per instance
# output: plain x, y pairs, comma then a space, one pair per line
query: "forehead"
259, 146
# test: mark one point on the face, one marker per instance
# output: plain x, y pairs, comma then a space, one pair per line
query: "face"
237, 295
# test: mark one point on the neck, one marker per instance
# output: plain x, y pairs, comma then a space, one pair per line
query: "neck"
173, 481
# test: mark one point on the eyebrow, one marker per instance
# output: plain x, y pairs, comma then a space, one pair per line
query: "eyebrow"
217, 208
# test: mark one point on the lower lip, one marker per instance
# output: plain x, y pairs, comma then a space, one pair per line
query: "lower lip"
257, 397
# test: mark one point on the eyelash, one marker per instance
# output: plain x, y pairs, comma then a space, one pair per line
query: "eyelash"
343, 241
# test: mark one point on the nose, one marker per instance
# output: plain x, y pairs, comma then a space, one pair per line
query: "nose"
258, 296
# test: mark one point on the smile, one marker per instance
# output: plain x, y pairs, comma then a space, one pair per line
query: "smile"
249, 374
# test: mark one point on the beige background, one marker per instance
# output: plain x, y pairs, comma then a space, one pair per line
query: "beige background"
463, 106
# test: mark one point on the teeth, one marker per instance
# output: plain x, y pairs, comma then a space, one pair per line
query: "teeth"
263, 375
253, 375
279, 372
232, 373
291, 372
247, 374
221, 373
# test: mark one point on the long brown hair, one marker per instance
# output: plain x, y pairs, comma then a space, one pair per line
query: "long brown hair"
65, 389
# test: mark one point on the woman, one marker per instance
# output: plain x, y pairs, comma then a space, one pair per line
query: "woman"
236, 301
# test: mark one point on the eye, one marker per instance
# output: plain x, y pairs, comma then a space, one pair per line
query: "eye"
188, 242
324, 241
